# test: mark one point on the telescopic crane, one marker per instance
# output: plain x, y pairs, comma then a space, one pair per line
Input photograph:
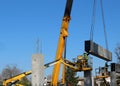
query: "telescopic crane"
81, 64
61, 42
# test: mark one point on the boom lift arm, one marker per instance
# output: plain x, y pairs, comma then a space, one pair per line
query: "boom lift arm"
16, 78
102, 72
61, 42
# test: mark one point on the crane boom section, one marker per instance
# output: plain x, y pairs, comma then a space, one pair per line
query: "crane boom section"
61, 42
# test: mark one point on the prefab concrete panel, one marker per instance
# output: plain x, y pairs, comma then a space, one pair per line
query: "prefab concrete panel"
98, 51
37, 70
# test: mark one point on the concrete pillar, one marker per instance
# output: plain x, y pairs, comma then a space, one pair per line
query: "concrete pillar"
98, 83
113, 78
113, 75
87, 78
37, 70
93, 81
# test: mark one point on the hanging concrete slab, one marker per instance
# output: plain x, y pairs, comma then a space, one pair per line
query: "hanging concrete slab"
98, 51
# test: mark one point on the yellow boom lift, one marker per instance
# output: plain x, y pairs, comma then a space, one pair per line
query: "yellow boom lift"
10, 81
103, 73
17, 78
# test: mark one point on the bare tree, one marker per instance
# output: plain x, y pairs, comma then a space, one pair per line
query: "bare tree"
117, 53
9, 71
0, 79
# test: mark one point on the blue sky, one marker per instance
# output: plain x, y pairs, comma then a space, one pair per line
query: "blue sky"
23, 21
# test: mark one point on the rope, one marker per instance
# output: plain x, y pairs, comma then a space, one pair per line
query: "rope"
105, 34
93, 20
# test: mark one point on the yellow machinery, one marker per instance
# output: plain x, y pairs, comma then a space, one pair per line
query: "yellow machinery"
102, 73
80, 65
18, 85
61, 43
17, 78
10, 81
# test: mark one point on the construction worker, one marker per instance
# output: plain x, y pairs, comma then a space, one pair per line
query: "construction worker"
85, 59
85, 56
79, 61
82, 60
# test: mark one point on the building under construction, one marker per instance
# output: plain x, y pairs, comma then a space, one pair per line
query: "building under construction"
82, 63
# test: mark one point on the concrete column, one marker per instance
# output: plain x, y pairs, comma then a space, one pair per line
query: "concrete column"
37, 70
113, 75
98, 83
113, 78
87, 78
92, 81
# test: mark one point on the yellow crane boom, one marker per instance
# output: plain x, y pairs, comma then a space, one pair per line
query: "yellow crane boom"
61, 42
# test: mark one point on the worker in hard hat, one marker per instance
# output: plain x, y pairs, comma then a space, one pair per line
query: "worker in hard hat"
85, 59
85, 56
79, 61
80, 57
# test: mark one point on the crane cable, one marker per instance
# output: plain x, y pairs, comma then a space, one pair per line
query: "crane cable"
105, 34
93, 22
